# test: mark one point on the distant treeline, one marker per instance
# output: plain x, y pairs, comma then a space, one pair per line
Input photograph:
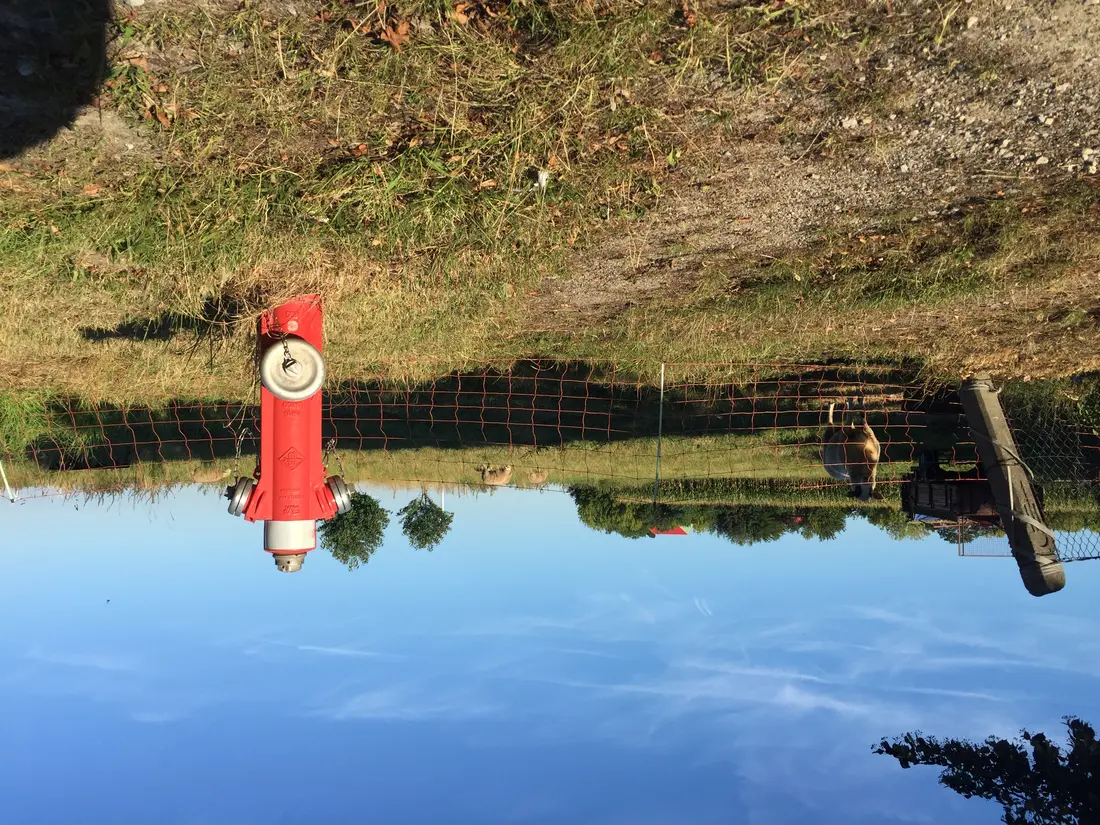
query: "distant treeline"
766, 510
601, 509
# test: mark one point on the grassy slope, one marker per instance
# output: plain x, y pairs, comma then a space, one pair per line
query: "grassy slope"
921, 273
276, 153
279, 154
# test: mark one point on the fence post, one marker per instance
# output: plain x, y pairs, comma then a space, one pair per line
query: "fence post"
7, 487
1032, 542
660, 430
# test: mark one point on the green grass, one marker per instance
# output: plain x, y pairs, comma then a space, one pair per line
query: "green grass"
299, 137
577, 421
579, 462
27, 417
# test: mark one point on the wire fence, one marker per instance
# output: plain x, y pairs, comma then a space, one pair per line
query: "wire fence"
705, 434
762, 421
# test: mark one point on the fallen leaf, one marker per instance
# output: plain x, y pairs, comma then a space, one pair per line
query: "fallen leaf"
690, 18
460, 13
91, 189
396, 36
655, 57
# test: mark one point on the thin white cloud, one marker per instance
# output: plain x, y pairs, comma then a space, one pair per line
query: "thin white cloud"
576, 651
796, 629
268, 647
957, 663
782, 674
95, 661
410, 703
953, 694
802, 700
338, 651
666, 700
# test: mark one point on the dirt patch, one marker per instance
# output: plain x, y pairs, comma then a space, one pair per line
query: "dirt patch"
755, 202
110, 138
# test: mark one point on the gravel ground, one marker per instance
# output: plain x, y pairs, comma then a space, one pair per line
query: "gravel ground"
1005, 103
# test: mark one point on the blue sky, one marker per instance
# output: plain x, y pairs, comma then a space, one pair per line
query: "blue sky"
529, 670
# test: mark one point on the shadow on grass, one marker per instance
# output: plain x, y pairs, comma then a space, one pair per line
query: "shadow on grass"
218, 318
53, 60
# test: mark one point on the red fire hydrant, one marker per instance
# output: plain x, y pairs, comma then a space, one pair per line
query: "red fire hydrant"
290, 489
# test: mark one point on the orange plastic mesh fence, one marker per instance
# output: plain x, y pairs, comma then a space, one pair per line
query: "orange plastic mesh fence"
580, 422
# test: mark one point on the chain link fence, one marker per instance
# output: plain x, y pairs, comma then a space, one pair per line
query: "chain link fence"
1057, 437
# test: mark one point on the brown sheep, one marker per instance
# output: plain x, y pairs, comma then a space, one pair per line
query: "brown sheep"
208, 475
851, 453
496, 476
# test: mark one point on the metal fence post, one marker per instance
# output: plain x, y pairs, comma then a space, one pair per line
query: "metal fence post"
7, 487
660, 430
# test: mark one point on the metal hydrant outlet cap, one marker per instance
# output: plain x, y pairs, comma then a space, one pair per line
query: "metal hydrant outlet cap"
292, 369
